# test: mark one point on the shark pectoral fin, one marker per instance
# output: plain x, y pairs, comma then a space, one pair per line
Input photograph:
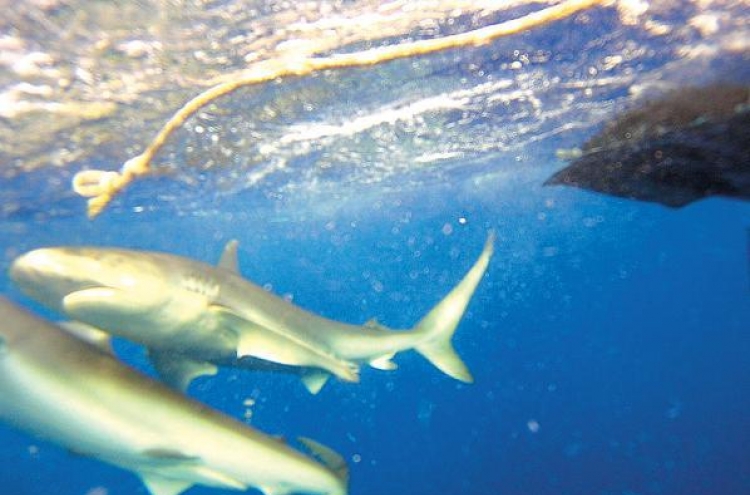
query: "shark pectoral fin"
228, 259
178, 371
329, 457
159, 485
96, 302
314, 380
92, 335
384, 363
258, 342
252, 339
268, 346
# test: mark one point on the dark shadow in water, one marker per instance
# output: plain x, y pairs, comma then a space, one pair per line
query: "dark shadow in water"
691, 144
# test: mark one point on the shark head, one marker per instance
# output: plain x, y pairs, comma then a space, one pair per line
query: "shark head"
90, 284
48, 275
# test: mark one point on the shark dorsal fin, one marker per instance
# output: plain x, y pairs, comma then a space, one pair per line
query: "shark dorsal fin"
159, 485
228, 259
330, 458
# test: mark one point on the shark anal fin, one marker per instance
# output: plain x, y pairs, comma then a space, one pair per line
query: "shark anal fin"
228, 259
329, 457
314, 380
177, 370
159, 485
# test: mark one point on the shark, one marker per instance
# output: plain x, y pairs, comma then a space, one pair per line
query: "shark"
194, 317
687, 145
69, 392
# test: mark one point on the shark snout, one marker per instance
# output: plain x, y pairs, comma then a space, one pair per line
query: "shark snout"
37, 265
47, 274
31, 266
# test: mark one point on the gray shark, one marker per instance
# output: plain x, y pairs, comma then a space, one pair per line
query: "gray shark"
69, 392
690, 144
193, 317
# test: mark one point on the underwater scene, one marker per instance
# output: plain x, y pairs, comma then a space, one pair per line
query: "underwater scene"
370, 246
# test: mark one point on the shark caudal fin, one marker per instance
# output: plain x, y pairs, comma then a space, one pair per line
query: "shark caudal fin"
439, 325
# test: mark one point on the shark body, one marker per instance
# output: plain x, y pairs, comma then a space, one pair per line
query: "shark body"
67, 391
690, 144
193, 316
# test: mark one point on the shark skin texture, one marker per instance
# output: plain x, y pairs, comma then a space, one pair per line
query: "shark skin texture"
69, 392
193, 317
692, 143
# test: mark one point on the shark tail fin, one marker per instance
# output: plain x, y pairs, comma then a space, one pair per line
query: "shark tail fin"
439, 325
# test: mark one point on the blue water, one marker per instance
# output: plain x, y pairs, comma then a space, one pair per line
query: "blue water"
609, 339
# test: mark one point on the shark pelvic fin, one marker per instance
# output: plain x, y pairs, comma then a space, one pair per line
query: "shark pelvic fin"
314, 380
439, 325
178, 371
228, 259
159, 485
329, 457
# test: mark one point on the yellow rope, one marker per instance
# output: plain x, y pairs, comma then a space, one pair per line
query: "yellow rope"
101, 186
